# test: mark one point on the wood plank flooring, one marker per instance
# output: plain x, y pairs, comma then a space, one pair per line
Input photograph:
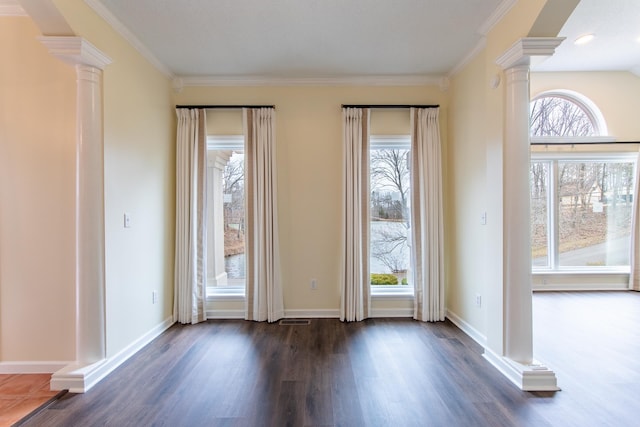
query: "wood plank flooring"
381, 372
22, 393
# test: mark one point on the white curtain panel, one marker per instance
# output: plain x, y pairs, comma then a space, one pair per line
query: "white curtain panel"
355, 298
634, 272
427, 235
263, 272
190, 256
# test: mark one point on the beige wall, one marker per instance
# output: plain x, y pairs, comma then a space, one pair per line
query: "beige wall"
475, 179
309, 159
37, 284
467, 194
139, 141
37, 181
614, 93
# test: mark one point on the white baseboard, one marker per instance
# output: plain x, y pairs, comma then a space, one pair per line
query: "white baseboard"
79, 378
532, 377
465, 327
392, 312
326, 313
31, 367
580, 288
225, 314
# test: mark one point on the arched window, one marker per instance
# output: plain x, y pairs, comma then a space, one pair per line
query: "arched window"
581, 201
565, 113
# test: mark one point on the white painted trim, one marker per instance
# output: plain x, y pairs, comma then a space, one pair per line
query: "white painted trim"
581, 287
391, 296
497, 15
465, 327
79, 379
533, 377
121, 29
551, 140
586, 104
328, 313
521, 51
225, 314
45, 367
11, 8
225, 142
400, 80
75, 51
391, 312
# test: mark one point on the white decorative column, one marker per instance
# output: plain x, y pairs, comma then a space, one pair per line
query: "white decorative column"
90, 258
515, 359
216, 162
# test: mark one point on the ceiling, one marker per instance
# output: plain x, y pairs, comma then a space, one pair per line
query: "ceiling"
616, 46
342, 39
306, 38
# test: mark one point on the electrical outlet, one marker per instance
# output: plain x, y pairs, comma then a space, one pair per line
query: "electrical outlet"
478, 300
314, 284
154, 297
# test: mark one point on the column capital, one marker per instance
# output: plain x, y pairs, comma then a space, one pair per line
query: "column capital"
525, 48
75, 51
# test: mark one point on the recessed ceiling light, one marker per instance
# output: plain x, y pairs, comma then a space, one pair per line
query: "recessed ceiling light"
584, 39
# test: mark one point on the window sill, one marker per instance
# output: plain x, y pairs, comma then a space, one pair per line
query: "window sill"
581, 271
225, 294
392, 292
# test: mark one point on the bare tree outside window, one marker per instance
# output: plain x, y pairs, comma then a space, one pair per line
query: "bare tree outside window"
390, 219
234, 227
556, 116
592, 197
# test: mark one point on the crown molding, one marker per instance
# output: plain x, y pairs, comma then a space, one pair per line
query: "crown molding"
11, 8
522, 50
75, 51
121, 29
500, 12
469, 57
503, 8
230, 80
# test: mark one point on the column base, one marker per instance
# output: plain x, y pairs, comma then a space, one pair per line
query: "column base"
78, 378
532, 377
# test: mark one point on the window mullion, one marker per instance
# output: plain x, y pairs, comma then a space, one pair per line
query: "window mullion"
553, 212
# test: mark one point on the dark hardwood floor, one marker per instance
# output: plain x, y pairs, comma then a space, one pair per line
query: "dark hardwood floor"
381, 372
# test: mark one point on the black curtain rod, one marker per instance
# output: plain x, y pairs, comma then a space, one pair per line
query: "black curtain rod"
586, 143
228, 107
387, 106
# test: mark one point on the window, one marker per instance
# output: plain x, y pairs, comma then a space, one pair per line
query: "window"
581, 212
581, 203
565, 114
390, 219
226, 219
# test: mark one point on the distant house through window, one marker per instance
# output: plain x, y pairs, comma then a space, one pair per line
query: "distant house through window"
581, 202
226, 215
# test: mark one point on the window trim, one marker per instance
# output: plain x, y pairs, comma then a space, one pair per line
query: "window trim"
553, 158
230, 292
584, 103
392, 142
225, 142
